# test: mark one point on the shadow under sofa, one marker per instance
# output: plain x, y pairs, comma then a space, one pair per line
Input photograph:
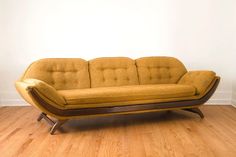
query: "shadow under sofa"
66, 88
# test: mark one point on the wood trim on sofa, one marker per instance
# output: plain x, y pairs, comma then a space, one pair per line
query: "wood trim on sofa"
188, 105
127, 108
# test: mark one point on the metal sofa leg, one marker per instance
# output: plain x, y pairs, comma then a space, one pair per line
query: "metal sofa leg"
55, 125
41, 116
195, 110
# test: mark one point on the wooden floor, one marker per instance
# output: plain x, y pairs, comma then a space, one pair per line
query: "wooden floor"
176, 133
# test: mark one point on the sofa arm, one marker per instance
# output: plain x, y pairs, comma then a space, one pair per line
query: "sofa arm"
43, 89
199, 79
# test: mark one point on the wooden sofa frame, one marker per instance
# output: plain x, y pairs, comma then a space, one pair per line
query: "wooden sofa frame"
187, 105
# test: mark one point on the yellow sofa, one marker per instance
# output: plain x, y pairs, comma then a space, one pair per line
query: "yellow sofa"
65, 88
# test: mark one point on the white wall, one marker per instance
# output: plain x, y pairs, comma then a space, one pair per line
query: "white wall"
234, 95
234, 65
234, 88
201, 33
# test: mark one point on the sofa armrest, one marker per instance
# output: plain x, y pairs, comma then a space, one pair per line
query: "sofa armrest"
199, 79
43, 89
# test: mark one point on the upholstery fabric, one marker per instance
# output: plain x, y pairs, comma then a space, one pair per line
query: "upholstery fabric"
159, 70
23, 89
130, 102
70, 83
199, 79
126, 93
45, 90
61, 73
113, 71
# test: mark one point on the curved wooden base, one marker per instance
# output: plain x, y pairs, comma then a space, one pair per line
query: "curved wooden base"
187, 105
195, 110
122, 109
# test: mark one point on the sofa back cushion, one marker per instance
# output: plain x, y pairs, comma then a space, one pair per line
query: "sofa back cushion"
61, 73
159, 70
113, 71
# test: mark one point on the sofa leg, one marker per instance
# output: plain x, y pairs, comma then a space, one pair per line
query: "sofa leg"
41, 116
44, 116
195, 110
57, 126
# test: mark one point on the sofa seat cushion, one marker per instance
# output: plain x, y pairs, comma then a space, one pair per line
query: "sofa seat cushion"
125, 93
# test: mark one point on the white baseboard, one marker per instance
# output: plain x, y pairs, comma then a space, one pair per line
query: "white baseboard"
219, 102
234, 98
234, 103
221, 98
13, 102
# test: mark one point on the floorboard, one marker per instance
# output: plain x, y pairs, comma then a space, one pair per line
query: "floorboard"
176, 133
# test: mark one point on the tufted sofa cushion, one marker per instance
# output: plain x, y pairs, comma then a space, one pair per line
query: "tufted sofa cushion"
159, 70
113, 71
60, 73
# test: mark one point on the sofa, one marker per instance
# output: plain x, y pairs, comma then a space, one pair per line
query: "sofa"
66, 88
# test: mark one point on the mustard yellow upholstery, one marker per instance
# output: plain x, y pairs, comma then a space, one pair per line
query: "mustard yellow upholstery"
199, 79
125, 93
159, 70
24, 90
46, 90
113, 71
61, 73
68, 84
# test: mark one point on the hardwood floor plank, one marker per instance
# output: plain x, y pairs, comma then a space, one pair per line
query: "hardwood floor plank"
176, 133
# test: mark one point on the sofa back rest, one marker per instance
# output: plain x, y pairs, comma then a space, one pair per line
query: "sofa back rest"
61, 73
159, 70
113, 71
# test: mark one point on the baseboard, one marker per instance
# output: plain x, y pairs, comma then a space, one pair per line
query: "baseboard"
13, 102
11, 98
219, 102
234, 103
